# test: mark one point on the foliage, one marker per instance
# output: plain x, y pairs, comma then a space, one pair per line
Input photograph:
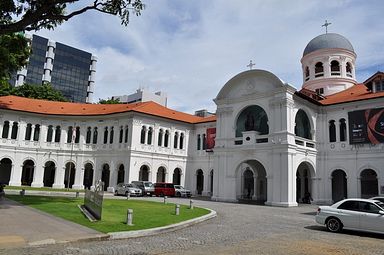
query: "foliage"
14, 53
109, 101
29, 15
45, 91
146, 214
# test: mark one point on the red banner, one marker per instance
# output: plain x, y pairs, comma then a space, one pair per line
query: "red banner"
211, 135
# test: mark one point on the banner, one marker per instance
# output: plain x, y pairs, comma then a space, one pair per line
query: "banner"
366, 126
211, 135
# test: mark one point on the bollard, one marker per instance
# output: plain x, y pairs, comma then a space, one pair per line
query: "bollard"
22, 192
165, 199
77, 194
177, 209
129, 217
128, 195
191, 204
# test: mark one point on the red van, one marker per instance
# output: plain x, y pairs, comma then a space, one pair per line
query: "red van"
164, 189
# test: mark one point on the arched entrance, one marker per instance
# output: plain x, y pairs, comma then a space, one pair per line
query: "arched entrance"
5, 171
88, 176
69, 176
252, 118
27, 174
160, 177
251, 181
120, 174
369, 184
339, 185
304, 183
49, 174
211, 182
177, 176
302, 125
199, 182
144, 173
105, 176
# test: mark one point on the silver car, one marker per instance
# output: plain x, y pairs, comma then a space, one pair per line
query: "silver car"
125, 188
356, 214
180, 191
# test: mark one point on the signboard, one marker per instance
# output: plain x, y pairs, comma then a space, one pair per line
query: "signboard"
93, 200
211, 135
366, 126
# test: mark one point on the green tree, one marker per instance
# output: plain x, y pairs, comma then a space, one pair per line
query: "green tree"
29, 15
109, 101
14, 53
45, 91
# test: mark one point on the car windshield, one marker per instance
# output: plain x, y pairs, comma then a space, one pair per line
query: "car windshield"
380, 204
148, 184
130, 185
177, 187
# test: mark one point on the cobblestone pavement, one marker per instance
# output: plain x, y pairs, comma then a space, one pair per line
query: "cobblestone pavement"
238, 229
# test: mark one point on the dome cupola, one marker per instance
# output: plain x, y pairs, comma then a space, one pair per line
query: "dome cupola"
328, 64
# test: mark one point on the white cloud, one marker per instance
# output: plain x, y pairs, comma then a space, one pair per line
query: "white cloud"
189, 49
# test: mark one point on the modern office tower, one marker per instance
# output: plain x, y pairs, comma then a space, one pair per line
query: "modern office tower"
143, 95
70, 70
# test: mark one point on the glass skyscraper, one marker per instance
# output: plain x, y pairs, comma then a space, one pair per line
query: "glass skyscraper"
70, 70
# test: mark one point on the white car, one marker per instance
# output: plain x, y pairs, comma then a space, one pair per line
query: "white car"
125, 188
180, 191
354, 213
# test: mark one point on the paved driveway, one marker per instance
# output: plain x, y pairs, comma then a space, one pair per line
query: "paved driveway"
238, 229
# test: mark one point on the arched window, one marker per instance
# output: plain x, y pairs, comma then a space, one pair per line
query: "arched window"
332, 131
302, 125
142, 138
349, 69
5, 129
166, 138
343, 130
95, 135
181, 145
150, 132
204, 142
306, 73
175, 140
198, 142
70, 134
252, 118
15, 128
160, 139
105, 135
50, 133
28, 132
335, 68
36, 134
57, 134
121, 134
77, 135
319, 69
89, 134
126, 134
111, 135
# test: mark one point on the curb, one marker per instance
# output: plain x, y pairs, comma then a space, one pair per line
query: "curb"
159, 230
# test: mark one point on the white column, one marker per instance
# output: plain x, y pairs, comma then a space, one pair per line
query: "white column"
79, 177
59, 178
15, 179
112, 178
38, 176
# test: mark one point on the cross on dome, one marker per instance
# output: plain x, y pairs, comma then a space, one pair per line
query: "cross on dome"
326, 24
250, 65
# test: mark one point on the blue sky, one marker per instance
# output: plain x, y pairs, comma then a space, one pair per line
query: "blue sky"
190, 49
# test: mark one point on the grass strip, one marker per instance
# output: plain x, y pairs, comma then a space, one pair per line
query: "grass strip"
146, 214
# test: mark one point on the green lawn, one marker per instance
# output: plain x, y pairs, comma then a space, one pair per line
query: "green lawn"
146, 214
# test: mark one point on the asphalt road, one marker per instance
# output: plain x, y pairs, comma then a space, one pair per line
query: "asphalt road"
238, 229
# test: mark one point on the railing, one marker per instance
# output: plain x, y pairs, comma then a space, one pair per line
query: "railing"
304, 142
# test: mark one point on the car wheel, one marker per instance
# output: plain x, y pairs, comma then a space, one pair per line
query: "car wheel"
334, 225
178, 194
116, 193
126, 193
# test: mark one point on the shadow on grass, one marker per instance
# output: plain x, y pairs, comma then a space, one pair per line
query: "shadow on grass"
27, 200
346, 232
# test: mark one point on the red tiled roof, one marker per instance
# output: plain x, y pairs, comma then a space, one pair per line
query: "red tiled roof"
23, 104
355, 93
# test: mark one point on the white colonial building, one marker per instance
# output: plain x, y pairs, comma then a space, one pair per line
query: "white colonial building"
273, 145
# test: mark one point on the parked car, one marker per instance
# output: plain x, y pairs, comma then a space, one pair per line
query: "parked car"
146, 187
164, 189
180, 191
125, 188
381, 199
356, 214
